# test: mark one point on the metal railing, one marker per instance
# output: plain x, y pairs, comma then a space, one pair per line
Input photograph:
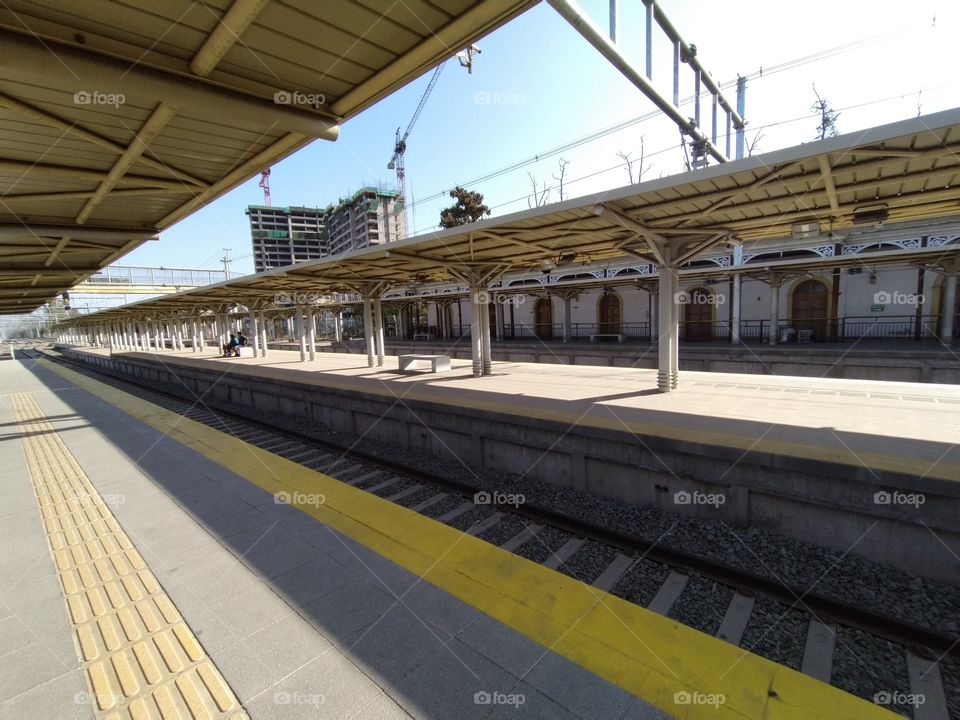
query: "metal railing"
843, 329
129, 275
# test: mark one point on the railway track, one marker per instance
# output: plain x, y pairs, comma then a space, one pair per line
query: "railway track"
648, 573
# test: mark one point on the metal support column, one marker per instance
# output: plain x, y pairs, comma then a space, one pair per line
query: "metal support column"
487, 359
311, 333
741, 106
301, 331
668, 362
263, 333
368, 330
735, 309
378, 330
774, 310
255, 331
947, 311
338, 326
479, 308
567, 325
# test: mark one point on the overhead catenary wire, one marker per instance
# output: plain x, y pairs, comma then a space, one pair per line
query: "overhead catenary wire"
762, 73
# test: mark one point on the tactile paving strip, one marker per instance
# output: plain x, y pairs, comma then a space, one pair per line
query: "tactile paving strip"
140, 658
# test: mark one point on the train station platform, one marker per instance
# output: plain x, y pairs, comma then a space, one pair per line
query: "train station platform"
832, 462
149, 572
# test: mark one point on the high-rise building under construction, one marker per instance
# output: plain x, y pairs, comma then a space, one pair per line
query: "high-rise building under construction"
288, 235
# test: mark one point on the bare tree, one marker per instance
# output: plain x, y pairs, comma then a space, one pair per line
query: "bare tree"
563, 170
539, 196
828, 118
752, 144
628, 159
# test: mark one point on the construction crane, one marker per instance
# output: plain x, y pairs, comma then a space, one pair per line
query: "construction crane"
465, 58
396, 162
265, 185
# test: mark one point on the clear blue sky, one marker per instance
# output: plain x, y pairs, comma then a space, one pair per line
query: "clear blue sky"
537, 85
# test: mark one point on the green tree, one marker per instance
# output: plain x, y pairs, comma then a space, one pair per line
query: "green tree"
467, 208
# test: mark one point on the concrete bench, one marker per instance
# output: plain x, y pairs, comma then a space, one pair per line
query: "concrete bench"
593, 338
423, 336
438, 363
246, 351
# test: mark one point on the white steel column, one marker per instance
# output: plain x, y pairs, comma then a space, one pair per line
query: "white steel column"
178, 326
774, 310
255, 331
947, 311
485, 338
312, 332
301, 331
735, 309
263, 333
338, 326
567, 329
378, 330
669, 327
477, 295
368, 330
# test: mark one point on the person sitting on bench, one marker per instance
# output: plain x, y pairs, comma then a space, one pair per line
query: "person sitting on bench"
241, 342
230, 348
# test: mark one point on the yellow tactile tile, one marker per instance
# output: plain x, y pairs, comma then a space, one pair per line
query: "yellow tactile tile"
141, 659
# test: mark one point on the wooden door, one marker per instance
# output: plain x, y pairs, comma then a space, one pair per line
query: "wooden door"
811, 302
698, 316
609, 316
543, 319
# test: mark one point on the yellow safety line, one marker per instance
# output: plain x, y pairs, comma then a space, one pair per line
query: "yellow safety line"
650, 656
140, 658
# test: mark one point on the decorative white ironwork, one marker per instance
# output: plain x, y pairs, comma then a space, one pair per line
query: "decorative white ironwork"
938, 240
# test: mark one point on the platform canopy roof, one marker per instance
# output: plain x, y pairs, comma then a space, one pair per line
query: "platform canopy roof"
118, 119
901, 172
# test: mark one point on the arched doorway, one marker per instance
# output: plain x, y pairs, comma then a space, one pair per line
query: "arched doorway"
811, 303
543, 319
698, 316
609, 317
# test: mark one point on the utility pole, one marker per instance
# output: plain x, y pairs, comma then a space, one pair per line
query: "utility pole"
226, 262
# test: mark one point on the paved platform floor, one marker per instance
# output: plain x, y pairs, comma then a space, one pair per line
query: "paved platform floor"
300, 620
905, 427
